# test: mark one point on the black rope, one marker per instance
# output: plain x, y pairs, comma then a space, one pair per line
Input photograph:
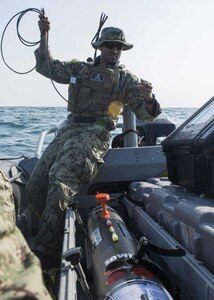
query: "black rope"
22, 40
20, 15
118, 140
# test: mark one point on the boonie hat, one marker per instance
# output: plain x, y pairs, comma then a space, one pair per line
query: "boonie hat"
112, 34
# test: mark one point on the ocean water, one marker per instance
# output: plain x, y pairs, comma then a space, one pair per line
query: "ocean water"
20, 127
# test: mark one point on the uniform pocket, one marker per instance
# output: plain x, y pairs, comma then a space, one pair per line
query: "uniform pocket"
84, 98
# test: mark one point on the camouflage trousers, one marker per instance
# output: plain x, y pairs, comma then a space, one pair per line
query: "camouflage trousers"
70, 160
20, 271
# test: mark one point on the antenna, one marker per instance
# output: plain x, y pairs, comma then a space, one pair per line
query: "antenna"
103, 19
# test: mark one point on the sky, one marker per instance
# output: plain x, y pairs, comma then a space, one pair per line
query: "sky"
173, 46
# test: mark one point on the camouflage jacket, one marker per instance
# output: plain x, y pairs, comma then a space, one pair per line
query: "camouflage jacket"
20, 271
125, 88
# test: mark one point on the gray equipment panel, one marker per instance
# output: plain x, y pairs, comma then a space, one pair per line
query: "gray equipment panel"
128, 164
188, 217
194, 281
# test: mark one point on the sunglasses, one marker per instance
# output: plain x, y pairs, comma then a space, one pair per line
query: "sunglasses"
111, 45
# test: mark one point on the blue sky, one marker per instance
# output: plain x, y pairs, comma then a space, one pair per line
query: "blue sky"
173, 46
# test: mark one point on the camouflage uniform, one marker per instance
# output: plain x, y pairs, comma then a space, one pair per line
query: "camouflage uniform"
20, 271
73, 156
70, 164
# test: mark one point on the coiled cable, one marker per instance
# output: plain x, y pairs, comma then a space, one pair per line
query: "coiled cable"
22, 40
20, 15
25, 42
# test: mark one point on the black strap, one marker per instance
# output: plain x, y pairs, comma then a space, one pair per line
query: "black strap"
130, 130
90, 120
84, 119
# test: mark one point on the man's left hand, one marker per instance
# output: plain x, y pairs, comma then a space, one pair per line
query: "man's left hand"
146, 88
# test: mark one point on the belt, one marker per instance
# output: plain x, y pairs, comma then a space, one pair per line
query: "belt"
84, 119
90, 120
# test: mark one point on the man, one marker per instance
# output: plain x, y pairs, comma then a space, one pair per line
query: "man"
97, 94
20, 270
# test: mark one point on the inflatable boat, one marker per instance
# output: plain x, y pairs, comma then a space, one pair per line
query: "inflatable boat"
144, 226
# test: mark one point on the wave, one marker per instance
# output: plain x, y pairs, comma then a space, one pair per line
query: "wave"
20, 127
